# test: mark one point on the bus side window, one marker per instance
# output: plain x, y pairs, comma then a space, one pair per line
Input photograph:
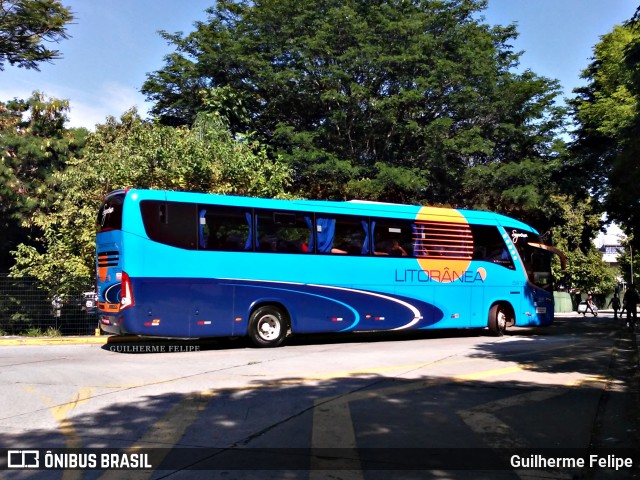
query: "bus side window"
342, 235
488, 246
392, 238
225, 228
171, 223
284, 231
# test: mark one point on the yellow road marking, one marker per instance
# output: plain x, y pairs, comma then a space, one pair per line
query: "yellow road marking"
490, 373
324, 434
166, 431
60, 414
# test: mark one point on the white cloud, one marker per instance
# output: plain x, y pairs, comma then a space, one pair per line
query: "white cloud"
111, 99
9, 93
86, 108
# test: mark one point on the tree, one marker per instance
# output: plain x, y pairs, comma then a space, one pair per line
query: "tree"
624, 260
606, 149
573, 234
132, 153
384, 100
25, 25
34, 144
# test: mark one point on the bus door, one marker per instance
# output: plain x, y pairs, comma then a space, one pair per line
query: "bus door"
516, 298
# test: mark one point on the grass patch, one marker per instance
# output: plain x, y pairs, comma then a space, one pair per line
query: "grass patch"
38, 332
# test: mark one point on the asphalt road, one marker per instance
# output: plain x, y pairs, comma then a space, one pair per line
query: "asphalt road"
423, 405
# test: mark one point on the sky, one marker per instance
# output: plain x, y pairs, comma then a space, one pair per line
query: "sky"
114, 44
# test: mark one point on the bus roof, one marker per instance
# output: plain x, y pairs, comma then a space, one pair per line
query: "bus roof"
353, 207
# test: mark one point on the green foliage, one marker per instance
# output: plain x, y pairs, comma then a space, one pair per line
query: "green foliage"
393, 184
608, 103
576, 226
391, 101
522, 189
606, 151
625, 259
132, 153
22, 304
34, 144
24, 27
587, 273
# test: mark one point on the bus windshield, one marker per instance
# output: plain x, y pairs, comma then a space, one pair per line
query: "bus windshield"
535, 256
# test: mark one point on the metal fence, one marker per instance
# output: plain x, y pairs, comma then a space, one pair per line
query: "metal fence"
26, 309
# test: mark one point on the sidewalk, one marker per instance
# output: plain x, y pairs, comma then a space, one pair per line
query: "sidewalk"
617, 422
625, 367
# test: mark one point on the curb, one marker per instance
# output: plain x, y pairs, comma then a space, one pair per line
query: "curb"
88, 340
77, 340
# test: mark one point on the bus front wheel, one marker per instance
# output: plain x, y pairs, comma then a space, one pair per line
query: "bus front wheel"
267, 326
498, 319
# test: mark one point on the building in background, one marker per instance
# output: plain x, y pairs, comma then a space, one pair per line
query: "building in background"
610, 245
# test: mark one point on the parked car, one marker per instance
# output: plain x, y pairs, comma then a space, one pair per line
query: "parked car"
90, 302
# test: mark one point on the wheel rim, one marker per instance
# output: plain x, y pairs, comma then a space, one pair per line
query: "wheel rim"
269, 327
501, 321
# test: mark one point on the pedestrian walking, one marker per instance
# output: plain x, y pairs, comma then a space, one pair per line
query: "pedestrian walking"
615, 304
591, 306
631, 303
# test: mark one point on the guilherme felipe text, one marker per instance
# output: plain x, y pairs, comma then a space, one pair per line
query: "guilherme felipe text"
611, 462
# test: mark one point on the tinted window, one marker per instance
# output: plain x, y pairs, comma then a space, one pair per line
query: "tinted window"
284, 232
224, 228
488, 246
110, 213
171, 223
392, 237
342, 235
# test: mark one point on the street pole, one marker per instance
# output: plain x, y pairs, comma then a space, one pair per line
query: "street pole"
631, 251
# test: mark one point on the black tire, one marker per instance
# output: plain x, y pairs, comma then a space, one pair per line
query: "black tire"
498, 319
268, 326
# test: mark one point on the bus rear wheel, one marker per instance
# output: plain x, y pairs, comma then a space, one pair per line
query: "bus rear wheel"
499, 317
267, 326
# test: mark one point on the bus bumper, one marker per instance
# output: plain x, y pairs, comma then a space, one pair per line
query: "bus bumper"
111, 324
538, 317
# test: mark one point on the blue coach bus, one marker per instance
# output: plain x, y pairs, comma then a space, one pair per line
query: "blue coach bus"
189, 265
